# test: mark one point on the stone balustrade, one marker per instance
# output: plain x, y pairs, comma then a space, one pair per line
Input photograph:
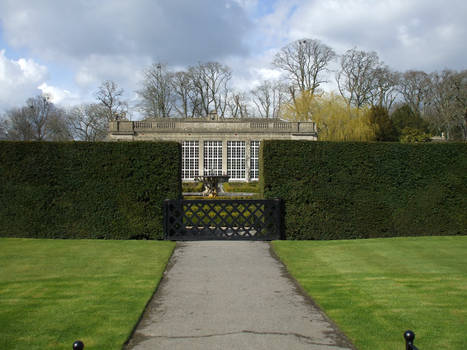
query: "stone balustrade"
203, 126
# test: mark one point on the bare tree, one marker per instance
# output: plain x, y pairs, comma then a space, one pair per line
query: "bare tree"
59, 127
305, 61
459, 88
39, 120
446, 102
19, 124
211, 82
39, 111
187, 103
88, 122
3, 129
109, 95
356, 77
385, 87
238, 105
157, 92
268, 98
413, 87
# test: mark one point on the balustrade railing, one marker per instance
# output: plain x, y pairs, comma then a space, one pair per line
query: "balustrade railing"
187, 126
142, 125
282, 125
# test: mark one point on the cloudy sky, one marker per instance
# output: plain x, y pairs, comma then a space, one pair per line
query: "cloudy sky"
67, 48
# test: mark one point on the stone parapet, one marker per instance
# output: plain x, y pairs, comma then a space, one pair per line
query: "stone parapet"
181, 128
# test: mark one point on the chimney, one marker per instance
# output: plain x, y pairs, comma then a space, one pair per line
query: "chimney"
213, 115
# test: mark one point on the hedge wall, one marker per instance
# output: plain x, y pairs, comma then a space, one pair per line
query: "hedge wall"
363, 190
86, 190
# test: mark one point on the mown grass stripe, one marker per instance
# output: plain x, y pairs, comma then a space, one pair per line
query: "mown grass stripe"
377, 288
53, 292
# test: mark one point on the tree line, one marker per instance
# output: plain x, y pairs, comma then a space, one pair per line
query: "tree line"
372, 101
41, 120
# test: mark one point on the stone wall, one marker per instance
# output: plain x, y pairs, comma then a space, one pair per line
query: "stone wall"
224, 130
200, 129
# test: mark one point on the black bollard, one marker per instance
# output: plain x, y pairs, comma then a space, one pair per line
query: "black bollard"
78, 345
409, 337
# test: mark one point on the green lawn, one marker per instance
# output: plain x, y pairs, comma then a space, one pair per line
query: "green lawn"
252, 187
53, 292
376, 289
192, 186
242, 187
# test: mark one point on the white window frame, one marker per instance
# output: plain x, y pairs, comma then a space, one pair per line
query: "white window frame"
236, 160
190, 160
254, 160
212, 158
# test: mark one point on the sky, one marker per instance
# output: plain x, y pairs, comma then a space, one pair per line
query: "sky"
68, 48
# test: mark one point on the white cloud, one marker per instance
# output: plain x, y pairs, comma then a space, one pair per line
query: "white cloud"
59, 96
19, 80
179, 31
248, 5
406, 34
274, 28
251, 71
115, 40
126, 70
24, 78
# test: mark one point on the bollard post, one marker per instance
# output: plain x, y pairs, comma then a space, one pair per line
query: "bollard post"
409, 337
78, 345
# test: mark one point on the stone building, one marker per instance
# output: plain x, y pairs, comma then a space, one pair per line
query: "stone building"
215, 147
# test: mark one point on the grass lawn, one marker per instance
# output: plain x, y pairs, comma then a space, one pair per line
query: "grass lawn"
252, 187
192, 186
376, 289
53, 292
242, 187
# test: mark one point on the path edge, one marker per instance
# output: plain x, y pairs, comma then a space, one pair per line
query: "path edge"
168, 267
341, 338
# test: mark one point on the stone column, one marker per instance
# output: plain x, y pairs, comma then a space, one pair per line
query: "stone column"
247, 160
201, 157
224, 157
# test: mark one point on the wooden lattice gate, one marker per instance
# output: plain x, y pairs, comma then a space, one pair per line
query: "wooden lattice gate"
246, 219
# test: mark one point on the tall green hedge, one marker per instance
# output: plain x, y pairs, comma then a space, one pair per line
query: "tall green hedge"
362, 190
87, 190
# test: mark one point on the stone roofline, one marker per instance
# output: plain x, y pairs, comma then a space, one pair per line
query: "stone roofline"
195, 125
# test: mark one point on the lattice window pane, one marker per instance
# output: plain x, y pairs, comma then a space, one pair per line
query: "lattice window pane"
213, 157
190, 160
236, 160
254, 160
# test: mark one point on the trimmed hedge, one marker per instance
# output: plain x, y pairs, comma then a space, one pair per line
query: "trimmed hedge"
104, 190
363, 190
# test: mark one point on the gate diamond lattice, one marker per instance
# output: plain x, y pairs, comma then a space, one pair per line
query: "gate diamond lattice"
245, 219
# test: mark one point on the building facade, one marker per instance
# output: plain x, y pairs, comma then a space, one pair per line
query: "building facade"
215, 147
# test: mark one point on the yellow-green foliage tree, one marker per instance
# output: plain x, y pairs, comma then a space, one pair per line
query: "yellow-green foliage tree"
300, 108
335, 119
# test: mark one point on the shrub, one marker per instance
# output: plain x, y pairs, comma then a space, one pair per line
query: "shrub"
87, 190
409, 135
405, 117
382, 124
362, 190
